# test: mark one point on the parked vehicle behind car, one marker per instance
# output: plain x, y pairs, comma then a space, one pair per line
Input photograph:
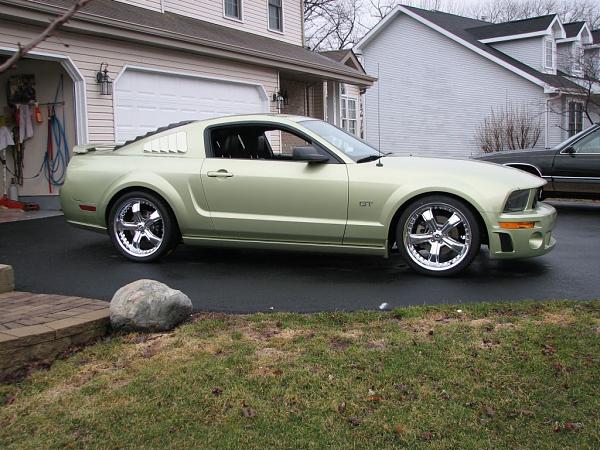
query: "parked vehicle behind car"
572, 168
298, 183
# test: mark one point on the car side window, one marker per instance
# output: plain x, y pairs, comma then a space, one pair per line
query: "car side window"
588, 144
262, 142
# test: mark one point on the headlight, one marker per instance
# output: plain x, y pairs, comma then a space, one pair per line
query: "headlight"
517, 201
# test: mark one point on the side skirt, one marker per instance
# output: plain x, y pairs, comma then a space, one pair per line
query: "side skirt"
292, 246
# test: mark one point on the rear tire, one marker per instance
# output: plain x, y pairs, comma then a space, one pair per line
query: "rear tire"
142, 227
438, 235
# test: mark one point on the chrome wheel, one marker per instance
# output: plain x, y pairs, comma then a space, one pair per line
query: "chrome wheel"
437, 236
139, 227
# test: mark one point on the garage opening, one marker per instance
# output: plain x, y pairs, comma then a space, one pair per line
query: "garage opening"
146, 100
37, 133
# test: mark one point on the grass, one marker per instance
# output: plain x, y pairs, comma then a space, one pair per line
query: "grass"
520, 375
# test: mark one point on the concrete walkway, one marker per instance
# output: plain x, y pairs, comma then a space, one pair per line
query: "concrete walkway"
39, 326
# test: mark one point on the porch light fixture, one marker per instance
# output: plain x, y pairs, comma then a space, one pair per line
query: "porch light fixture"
280, 98
104, 80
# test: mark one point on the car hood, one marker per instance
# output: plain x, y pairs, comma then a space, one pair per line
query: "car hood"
472, 171
513, 154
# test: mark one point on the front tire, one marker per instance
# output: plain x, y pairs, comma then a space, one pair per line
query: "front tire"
142, 227
438, 235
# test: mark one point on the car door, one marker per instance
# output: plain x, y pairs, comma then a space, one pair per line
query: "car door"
577, 167
275, 198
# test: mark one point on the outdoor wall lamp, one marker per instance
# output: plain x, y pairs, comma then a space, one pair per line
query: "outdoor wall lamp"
104, 80
280, 98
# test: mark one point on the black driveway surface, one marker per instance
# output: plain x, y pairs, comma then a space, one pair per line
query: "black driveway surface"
50, 256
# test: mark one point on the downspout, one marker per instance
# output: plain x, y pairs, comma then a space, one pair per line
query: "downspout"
162, 6
547, 127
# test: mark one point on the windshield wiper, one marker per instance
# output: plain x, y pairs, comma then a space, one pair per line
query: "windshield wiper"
373, 157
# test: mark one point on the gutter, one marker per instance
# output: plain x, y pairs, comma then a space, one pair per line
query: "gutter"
87, 23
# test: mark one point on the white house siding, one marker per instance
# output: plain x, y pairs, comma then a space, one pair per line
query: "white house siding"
435, 92
154, 5
529, 51
87, 52
254, 16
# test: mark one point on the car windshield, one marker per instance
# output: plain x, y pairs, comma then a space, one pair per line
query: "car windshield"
573, 138
353, 147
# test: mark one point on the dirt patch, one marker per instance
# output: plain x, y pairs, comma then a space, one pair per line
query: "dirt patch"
480, 323
562, 319
378, 344
340, 343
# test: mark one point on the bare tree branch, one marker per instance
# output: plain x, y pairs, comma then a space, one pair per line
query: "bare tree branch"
50, 29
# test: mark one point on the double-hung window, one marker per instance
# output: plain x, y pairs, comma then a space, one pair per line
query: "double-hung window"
233, 9
549, 53
275, 15
349, 111
575, 118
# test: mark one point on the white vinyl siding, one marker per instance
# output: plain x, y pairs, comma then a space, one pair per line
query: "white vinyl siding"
529, 51
431, 105
87, 52
255, 16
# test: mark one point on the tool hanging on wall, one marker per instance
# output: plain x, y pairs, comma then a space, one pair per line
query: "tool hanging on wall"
56, 158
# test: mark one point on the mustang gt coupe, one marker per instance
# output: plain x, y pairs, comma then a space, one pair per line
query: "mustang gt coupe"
289, 182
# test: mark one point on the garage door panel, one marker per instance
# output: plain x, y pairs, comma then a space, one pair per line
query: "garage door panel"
145, 101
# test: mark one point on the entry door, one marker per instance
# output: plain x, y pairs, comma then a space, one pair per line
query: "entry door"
277, 200
577, 169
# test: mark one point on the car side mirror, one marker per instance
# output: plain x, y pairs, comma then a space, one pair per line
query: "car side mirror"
309, 154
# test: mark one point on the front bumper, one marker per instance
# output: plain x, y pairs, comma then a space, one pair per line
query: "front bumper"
523, 243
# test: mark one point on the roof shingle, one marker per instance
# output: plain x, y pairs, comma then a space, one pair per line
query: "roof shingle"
512, 28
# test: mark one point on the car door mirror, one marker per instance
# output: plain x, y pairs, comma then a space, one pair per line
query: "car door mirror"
309, 154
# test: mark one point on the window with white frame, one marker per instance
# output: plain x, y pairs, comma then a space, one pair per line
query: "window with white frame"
549, 53
233, 9
575, 118
275, 15
349, 111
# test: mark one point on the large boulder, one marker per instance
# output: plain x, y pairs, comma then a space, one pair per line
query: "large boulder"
148, 305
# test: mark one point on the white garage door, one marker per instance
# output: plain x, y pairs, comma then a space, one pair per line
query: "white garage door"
145, 101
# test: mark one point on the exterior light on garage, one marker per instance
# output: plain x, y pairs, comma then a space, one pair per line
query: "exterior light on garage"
104, 80
281, 99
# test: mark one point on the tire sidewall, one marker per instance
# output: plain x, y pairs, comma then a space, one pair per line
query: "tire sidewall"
465, 211
169, 226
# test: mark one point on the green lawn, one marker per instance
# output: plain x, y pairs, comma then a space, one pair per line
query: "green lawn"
506, 375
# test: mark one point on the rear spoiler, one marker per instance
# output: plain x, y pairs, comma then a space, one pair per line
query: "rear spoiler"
83, 149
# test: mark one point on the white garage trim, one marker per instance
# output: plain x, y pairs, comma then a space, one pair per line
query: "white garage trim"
128, 67
81, 123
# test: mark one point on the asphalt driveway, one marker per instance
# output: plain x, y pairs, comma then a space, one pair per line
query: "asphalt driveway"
49, 256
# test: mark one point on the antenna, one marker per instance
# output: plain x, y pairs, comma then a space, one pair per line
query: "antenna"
378, 118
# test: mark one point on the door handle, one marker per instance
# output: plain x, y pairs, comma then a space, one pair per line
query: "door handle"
222, 173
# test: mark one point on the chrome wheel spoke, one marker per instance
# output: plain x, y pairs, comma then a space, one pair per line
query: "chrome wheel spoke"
434, 252
125, 226
154, 239
453, 244
136, 211
429, 219
450, 224
137, 239
415, 239
153, 218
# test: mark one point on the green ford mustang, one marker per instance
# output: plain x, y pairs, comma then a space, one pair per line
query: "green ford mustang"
292, 182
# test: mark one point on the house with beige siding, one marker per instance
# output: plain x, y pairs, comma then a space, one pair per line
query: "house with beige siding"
439, 75
120, 68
